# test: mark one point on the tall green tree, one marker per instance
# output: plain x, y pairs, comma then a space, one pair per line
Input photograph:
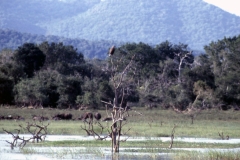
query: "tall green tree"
49, 82
6, 87
10, 74
224, 56
30, 91
69, 88
63, 58
31, 57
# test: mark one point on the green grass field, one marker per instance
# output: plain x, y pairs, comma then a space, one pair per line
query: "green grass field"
153, 123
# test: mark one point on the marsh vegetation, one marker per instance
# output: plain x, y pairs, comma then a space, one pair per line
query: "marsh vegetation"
148, 138
154, 123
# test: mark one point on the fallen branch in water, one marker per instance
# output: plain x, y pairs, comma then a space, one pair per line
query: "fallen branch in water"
37, 131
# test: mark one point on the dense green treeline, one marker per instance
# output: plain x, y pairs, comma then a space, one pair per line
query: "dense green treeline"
166, 75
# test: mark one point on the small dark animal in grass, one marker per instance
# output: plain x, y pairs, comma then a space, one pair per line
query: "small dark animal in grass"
111, 51
19, 118
110, 119
67, 116
97, 116
63, 116
39, 118
87, 115
107, 119
58, 116
10, 117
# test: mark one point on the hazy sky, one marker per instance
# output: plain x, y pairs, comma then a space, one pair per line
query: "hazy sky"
232, 6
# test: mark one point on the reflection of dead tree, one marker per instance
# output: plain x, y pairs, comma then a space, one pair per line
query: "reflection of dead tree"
15, 139
37, 131
172, 137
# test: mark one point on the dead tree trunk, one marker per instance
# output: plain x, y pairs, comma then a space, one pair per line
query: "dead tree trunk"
172, 137
118, 109
182, 57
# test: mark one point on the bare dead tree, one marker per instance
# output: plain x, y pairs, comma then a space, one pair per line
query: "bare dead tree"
192, 111
38, 133
117, 107
203, 94
172, 136
119, 111
15, 138
88, 129
182, 59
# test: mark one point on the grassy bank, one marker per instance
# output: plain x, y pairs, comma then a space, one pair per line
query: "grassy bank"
145, 144
153, 123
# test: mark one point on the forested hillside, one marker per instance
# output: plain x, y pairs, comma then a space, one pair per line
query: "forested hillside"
195, 23
167, 75
25, 15
10, 39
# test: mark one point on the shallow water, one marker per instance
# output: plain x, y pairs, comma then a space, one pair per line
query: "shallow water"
99, 153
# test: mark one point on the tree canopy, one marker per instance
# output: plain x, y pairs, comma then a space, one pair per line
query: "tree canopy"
166, 75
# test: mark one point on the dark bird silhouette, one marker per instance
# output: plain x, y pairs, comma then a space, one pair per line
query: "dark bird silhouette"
111, 51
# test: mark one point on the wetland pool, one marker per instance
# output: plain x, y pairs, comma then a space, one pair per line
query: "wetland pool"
100, 153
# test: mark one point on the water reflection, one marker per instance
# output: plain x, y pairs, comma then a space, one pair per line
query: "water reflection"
99, 153
47, 153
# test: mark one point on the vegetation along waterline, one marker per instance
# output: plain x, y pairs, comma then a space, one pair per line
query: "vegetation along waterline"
154, 123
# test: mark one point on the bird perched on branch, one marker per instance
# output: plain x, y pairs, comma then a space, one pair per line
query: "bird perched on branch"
111, 51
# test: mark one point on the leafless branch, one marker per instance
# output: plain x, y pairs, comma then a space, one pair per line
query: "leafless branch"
172, 136
120, 81
38, 134
87, 130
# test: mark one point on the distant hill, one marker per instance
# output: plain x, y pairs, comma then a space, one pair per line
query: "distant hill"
10, 39
193, 22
